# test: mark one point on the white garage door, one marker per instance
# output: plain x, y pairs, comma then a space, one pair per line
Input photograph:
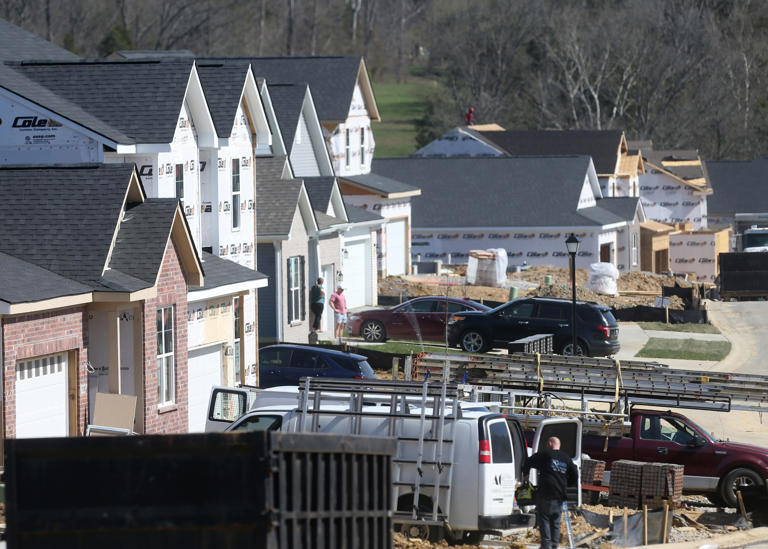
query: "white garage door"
41, 397
356, 275
204, 372
396, 247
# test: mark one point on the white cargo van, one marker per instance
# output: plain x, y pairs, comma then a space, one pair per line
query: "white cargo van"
457, 464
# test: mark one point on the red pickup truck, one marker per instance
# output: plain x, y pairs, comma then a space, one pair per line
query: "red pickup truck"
713, 468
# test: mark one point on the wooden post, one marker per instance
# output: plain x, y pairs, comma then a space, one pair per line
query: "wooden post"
626, 531
664, 525
408, 365
741, 504
666, 309
645, 524
395, 368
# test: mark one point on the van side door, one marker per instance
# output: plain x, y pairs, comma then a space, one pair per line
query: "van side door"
226, 405
568, 430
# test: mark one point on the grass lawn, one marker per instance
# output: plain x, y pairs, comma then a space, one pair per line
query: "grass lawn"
687, 349
404, 348
400, 105
692, 328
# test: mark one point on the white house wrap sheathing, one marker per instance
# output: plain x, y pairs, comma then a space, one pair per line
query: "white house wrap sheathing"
668, 201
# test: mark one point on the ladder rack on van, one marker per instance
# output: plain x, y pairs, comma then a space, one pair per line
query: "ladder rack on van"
641, 383
428, 453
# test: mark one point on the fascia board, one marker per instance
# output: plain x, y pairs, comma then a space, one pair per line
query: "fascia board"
46, 304
125, 149
151, 148
278, 145
526, 228
195, 98
367, 89
256, 107
316, 134
226, 290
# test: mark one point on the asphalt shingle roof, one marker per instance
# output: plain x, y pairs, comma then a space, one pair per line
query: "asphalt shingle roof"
17, 44
222, 272
497, 192
222, 85
150, 93
739, 186
359, 215
22, 282
379, 183
13, 80
287, 101
601, 145
319, 190
623, 207
276, 205
331, 78
142, 238
62, 218
325, 221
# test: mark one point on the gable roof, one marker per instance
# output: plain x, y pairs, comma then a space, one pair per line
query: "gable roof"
223, 87
17, 44
89, 226
332, 79
150, 93
288, 102
359, 215
625, 207
383, 186
276, 206
498, 192
683, 165
739, 186
602, 145
319, 190
222, 272
23, 282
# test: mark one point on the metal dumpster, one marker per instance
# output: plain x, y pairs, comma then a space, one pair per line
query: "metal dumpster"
258, 489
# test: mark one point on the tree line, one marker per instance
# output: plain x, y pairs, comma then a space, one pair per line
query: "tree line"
684, 73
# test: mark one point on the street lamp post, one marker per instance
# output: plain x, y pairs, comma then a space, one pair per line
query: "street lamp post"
572, 243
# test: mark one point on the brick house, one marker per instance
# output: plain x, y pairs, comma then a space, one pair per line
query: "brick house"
94, 276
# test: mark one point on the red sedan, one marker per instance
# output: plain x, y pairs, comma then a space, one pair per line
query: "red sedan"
421, 318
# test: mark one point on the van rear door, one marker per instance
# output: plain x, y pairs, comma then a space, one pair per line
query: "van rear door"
568, 430
496, 467
226, 405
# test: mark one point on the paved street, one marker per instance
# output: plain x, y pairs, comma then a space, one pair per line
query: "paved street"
745, 325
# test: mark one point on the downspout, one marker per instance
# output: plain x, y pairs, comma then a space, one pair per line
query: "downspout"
278, 289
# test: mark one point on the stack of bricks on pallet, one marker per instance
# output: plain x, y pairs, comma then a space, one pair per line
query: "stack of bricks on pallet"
591, 473
662, 482
626, 481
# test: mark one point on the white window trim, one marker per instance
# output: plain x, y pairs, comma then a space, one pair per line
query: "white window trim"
168, 360
294, 287
237, 351
236, 193
635, 238
362, 146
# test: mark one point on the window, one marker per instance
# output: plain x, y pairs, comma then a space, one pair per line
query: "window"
166, 386
635, 238
501, 447
180, 181
275, 357
423, 306
237, 339
236, 193
362, 146
347, 150
551, 311
259, 423
295, 287
522, 310
304, 360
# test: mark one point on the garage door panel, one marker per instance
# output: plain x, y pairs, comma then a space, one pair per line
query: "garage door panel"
396, 247
204, 367
355, 273
41, 397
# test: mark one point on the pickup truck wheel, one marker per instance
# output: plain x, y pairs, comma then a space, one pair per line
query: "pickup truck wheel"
735, 480
473, 341
373, 331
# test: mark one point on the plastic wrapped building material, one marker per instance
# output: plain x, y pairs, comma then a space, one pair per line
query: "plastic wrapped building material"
487, 267
602, 278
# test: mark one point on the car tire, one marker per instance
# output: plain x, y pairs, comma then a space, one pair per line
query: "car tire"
735, 479
567, 349
473, 341
373, 331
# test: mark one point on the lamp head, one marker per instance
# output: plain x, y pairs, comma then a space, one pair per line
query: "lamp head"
572, 243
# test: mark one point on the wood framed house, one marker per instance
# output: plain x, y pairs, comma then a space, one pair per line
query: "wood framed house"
526, 205
96, 307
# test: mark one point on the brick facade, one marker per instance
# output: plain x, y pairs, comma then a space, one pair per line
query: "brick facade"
35, 335
171, 290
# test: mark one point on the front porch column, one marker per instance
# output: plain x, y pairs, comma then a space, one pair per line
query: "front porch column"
113, 339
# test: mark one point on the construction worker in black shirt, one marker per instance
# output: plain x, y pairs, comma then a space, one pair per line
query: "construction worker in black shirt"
556, 471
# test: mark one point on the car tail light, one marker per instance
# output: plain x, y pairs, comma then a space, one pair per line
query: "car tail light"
605, 330
359, 377
485, 451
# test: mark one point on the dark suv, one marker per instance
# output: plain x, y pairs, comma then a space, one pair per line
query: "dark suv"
597, 331
286, 364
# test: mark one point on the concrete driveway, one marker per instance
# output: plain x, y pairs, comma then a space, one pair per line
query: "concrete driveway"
745, 323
